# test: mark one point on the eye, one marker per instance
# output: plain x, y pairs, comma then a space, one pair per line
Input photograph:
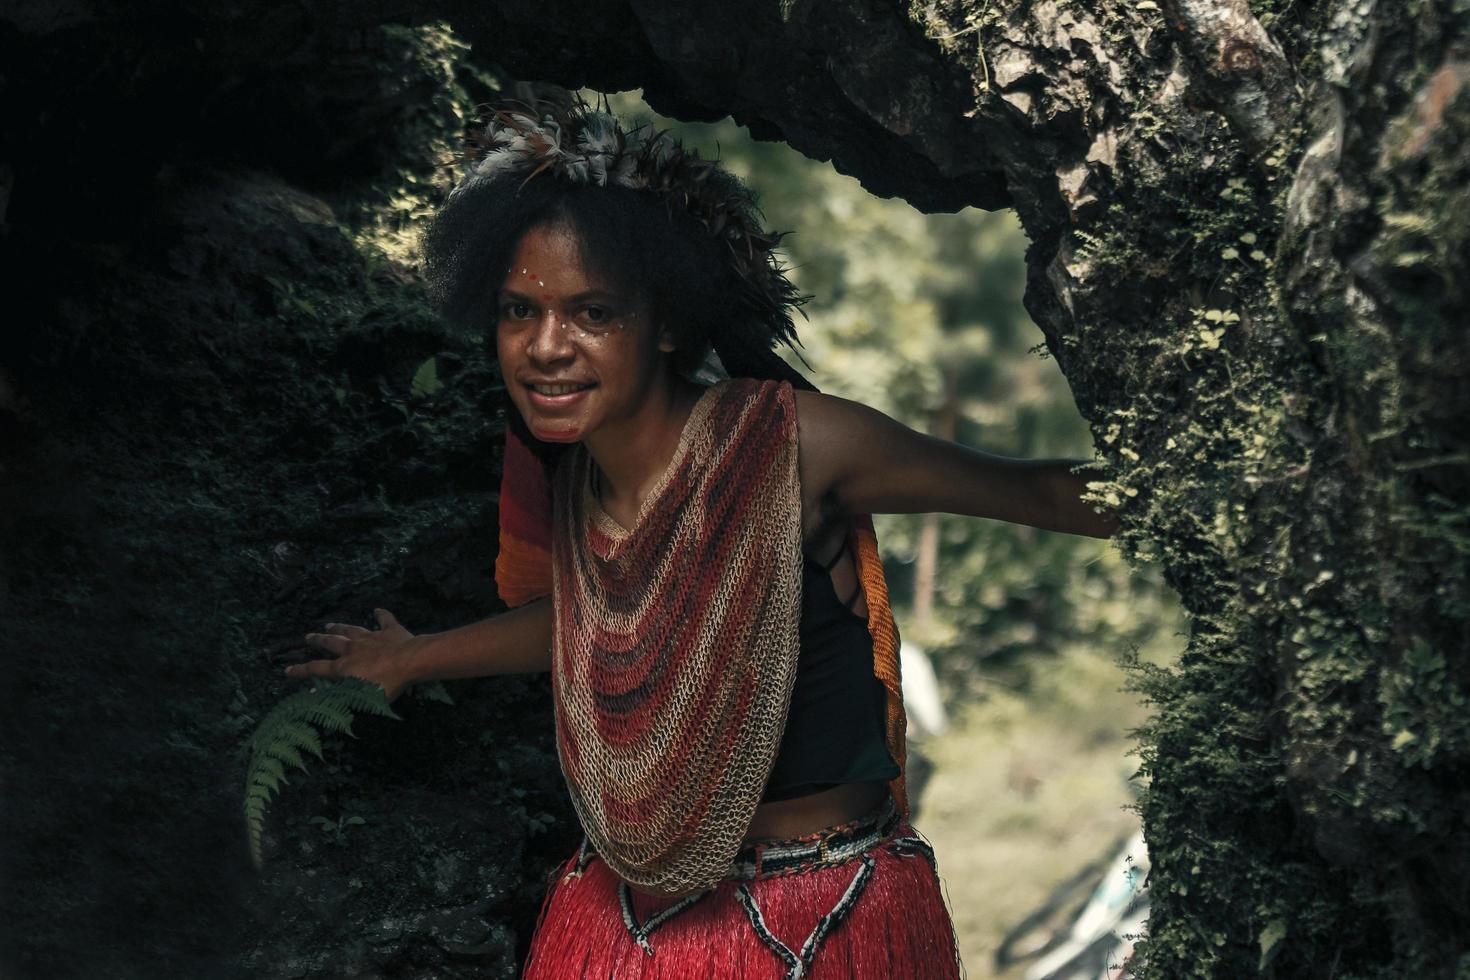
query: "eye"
516, 310
596, 317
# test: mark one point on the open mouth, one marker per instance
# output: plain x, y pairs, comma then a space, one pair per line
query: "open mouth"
552, 391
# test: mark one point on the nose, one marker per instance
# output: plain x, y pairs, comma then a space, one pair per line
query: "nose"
549, 342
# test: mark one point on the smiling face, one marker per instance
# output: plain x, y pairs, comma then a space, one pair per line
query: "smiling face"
576, 354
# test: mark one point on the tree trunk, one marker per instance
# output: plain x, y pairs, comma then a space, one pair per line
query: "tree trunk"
926, 560
1248, 255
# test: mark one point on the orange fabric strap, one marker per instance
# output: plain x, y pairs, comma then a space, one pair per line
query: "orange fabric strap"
884, 631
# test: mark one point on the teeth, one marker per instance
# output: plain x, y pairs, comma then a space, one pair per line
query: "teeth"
558, 389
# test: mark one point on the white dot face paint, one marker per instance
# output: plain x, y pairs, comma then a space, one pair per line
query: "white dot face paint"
606, 323
519, 310
582, 333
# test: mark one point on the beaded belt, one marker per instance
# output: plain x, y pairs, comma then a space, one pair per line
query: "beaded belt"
825, 848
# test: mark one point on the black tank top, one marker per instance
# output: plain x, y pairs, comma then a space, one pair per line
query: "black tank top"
835, 725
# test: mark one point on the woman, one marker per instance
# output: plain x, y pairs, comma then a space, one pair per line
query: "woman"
731, 730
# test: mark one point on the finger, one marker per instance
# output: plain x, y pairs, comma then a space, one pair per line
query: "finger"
330, 642
346, 629
314, 668
385, 618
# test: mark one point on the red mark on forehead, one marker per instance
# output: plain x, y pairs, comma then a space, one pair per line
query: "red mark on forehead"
546, 297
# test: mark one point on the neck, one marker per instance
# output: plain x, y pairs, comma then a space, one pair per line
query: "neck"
632, 456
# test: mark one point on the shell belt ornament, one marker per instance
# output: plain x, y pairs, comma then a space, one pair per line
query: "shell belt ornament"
676, 641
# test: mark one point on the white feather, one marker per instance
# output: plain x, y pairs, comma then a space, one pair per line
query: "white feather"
599, 133
577, 168
601, 155
598, 143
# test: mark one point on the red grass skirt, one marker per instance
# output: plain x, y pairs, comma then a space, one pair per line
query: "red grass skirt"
878, 915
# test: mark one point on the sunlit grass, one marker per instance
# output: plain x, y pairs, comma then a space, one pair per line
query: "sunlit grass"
1028, 789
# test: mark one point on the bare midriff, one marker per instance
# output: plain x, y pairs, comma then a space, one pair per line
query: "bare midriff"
808, 814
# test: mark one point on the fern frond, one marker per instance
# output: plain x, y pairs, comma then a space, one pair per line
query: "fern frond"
270, 766
284, 711
287, 730
286, 753
330, 717
372, 701
291, 737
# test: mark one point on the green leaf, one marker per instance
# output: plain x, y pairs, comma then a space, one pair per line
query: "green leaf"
1270, 941
330, 716
271, 766
287, 753
426, 378
435, 691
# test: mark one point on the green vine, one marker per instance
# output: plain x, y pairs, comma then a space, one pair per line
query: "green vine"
282, 735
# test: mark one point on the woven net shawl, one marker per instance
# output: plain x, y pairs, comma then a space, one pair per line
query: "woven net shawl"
523, 572
676, 640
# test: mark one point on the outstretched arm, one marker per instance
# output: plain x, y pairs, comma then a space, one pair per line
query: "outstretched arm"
518, 641
872, 464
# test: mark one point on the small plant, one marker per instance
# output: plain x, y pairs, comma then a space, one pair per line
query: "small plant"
288, 730
337, 828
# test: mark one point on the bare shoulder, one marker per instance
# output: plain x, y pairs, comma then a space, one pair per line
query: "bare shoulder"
817, 463
811, 410
814, 429
831, 433
813, 404
833, 430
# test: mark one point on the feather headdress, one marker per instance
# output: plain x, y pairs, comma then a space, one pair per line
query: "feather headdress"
580, 144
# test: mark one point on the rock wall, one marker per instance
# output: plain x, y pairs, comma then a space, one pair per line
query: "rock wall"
227, 416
